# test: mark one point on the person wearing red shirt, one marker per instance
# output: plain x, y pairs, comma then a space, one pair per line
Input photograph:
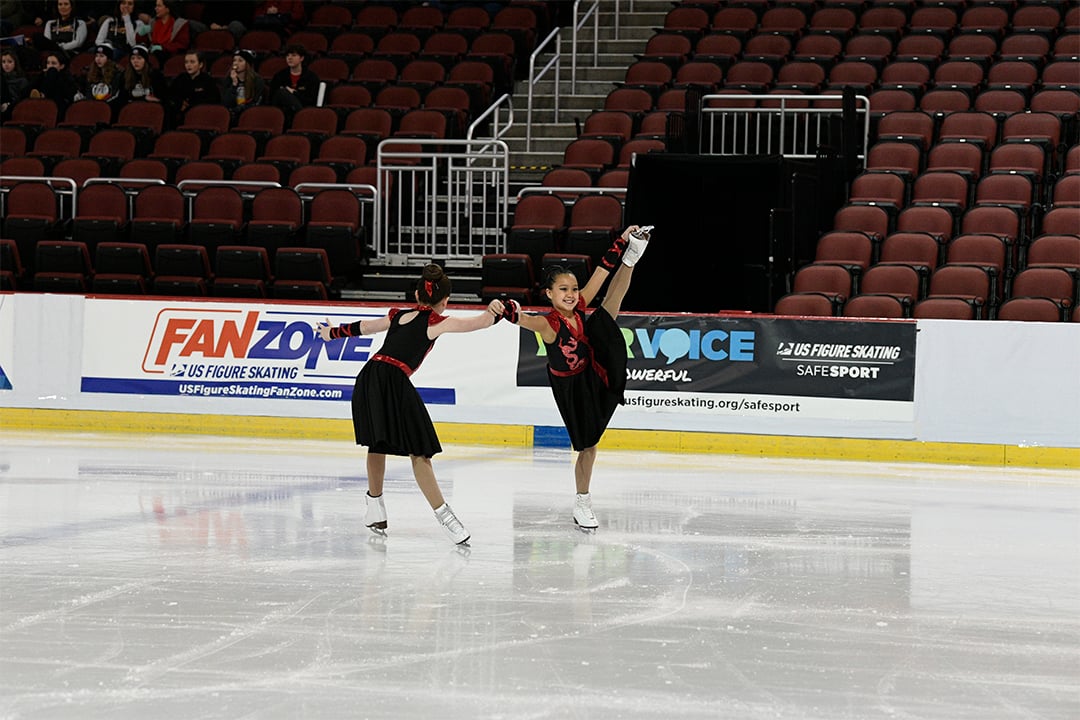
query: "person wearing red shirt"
169, 34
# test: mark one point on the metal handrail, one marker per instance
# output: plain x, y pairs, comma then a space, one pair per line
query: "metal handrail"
595, 12
493, 110
122, 181
556, 60
351, 187
569, 189
74, 188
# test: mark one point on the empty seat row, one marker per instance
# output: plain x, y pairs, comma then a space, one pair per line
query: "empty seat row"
217, 217
117, 267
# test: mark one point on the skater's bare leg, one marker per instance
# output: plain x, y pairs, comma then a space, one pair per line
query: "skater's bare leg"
425, 479
376, 471
620, 283
583, 469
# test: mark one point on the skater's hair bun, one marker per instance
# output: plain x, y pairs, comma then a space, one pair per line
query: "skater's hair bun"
433, 285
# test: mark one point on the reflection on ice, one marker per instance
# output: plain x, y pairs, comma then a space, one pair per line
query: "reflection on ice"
213, 578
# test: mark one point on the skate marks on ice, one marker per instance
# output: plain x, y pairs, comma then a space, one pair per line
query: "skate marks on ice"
211, 578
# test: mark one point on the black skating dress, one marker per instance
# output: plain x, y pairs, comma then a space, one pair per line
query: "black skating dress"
587, 370
389, 416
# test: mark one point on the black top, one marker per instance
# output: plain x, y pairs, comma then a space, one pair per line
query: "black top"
307, 85
187, 91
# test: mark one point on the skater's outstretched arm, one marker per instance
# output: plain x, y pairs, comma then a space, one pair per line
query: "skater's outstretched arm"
479, 321
326, 331
535, 323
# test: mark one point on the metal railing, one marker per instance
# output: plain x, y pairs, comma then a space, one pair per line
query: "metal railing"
450, 200
70, 190
594, 11
534, 78
497, 130
794, 126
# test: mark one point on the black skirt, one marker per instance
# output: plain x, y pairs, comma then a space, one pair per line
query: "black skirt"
389, 417
585, 401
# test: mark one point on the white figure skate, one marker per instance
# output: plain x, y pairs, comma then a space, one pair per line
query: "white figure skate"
638, 241
375, 516
583, 514
453, 526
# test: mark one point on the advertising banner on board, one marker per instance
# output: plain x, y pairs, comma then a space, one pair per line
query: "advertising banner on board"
679, 366
687, 363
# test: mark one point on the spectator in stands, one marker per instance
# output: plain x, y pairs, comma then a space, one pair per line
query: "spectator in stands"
195, 86
242, 87
56, 83
104, 79
225, 15
284, 16
123, 29
14, 84
66, 31
294, 87
169, 34
142, 82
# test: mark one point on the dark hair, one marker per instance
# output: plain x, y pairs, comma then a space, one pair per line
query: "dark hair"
553, 271
296, 48
433, 285
14, 56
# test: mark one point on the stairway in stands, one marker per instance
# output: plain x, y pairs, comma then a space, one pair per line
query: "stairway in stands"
615, 54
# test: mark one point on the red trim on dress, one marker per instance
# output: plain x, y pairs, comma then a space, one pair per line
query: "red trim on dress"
393, 361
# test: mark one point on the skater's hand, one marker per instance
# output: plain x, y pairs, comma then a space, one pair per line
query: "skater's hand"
323, 329
496, 308
628, 230
512, 311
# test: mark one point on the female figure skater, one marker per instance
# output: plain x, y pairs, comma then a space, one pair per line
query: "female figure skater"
388, 415
586, 355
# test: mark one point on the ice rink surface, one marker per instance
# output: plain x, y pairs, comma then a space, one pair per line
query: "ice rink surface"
185, 577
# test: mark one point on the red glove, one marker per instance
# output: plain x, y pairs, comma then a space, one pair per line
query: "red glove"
611, 258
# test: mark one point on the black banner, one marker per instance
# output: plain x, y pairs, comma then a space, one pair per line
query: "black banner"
763, 356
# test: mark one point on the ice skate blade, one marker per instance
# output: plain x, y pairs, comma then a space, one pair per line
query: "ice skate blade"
465, 543
587, 529
378, 528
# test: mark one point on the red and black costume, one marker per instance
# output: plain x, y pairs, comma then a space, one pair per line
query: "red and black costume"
389, 416
587, 371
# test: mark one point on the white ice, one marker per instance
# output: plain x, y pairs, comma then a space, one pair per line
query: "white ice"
185, 577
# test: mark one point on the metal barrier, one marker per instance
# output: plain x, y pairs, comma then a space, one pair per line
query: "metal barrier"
792, 126
448, 201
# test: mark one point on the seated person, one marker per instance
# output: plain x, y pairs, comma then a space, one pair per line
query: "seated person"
284, 16
104, 79
65, 31
242, 87
14, 85
123, 29
294, 87
56, 83
142, 81
169, 34
194, 87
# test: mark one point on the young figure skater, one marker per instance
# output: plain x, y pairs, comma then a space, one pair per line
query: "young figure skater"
586, 355
388, 415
